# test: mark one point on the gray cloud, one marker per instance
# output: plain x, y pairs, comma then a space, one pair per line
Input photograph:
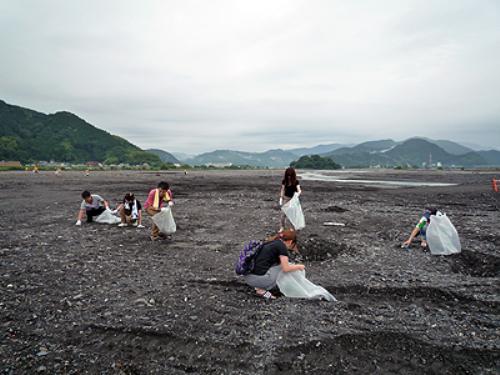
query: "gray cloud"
194, 76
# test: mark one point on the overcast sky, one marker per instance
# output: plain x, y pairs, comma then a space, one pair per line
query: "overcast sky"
194, 76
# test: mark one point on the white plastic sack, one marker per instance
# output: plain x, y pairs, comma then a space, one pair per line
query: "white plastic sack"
295, 285
293, 212
165, 221
107, 218
442, 237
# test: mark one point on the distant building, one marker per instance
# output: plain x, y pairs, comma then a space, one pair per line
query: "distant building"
16, 164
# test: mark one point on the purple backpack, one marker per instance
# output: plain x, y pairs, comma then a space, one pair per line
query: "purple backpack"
246, 261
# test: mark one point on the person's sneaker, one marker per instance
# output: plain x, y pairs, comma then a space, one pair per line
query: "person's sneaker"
122, 224
135, 224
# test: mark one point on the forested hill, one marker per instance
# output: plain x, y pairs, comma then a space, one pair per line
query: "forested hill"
28, 136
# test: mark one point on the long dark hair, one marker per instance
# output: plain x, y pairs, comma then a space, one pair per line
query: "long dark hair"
290, 178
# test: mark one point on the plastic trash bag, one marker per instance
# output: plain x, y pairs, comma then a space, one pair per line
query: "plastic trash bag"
293, 212
107, 217
295, 285
164, 220
442, 237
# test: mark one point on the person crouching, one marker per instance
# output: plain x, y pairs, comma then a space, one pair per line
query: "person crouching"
130, 211
157, 198
92, 205
421, 229
270, 260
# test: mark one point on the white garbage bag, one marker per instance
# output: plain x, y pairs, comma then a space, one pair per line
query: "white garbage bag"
293, 212
442, 237
107, 217
165, 221
295, 285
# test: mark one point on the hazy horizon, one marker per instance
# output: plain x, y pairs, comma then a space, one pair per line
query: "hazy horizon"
193, 76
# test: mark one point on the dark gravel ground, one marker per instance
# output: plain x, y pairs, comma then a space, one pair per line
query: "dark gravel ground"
103, 299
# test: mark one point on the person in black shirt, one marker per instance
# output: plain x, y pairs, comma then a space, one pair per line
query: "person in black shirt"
289, 186
130, 211
270, 260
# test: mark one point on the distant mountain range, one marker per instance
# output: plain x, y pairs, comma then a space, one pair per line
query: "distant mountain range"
28, 136
317, 150
164, 156
415, 152
271, 158
182, 156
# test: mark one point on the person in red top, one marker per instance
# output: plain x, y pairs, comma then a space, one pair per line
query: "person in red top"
156, 200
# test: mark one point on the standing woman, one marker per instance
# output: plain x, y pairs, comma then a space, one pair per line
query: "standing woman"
289, 186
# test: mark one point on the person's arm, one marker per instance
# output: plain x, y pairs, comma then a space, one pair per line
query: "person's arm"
287, 267
413, 234
118, 208
299, 190
79, 217
170, 197
106, 204
81, 212
282, 194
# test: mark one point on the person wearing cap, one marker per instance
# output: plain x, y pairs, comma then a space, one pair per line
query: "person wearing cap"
130, 211
421, 228
270, 260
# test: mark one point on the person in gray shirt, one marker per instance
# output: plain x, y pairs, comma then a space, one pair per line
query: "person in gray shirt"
92, 205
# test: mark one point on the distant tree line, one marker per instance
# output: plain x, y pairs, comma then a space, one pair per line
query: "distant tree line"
315, 162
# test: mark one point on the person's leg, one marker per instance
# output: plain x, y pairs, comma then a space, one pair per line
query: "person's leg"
123, 217
94, 212
283, 219
266, 281
423, 238
155, 231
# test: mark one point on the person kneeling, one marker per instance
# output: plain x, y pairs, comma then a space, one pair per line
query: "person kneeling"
130, 211
92, 205
270, 260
